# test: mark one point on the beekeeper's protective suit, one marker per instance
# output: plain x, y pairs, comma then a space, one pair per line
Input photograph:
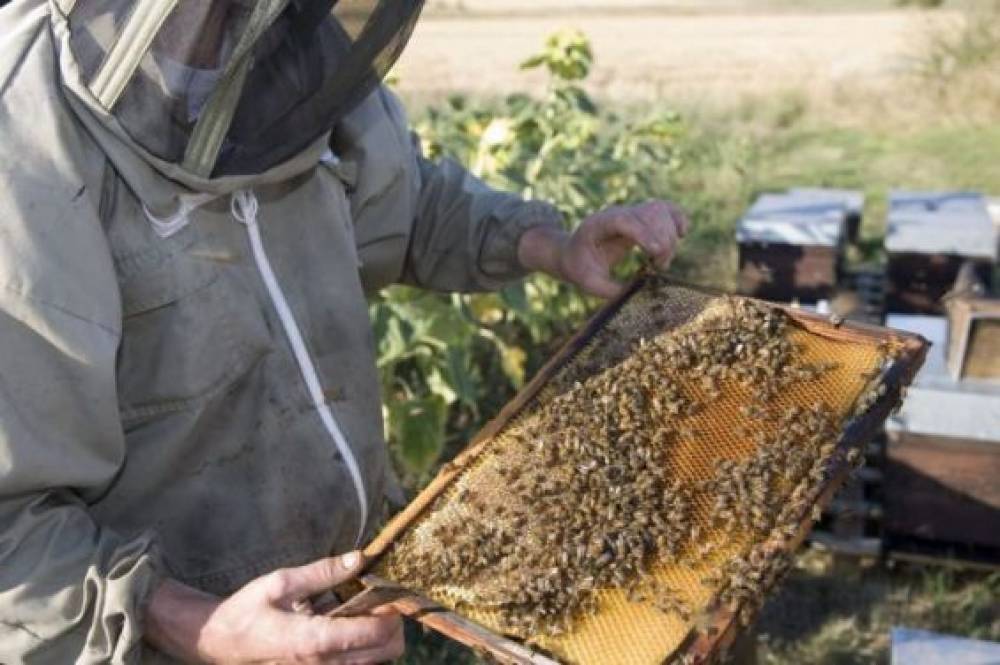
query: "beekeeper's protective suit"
187, 372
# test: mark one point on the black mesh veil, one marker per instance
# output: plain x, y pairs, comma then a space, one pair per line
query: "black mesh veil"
234, 87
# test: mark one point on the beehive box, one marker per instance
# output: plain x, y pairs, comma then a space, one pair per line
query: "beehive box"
943, 457
942, 489
784, 272
791, 245
930, 236
637, 499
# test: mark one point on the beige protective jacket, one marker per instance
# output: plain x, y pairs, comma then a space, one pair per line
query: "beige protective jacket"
187, 372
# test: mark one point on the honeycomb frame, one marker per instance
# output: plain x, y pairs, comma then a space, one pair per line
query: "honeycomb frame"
697, 645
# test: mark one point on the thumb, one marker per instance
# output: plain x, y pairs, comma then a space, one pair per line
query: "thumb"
316, 577
601, 284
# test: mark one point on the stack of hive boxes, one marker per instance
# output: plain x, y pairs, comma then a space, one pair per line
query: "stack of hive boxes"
943, 457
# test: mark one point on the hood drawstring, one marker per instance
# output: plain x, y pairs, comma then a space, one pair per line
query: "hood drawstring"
170, 225
245, 208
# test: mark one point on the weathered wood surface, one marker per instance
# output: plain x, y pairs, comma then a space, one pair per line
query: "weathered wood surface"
786, 272
942, 488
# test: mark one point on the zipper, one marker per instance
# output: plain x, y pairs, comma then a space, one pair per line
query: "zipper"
245, 207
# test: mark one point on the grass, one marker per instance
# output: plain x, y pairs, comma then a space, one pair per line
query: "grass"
836, 614
935, 126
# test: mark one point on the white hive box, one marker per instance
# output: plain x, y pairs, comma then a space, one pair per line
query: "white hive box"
929, 236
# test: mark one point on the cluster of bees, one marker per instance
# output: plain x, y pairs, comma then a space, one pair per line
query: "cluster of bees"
575, 497
875, 389
579, 502
770, 487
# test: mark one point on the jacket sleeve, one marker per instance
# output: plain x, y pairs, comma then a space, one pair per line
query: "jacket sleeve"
432, 225
70, 591
465, 234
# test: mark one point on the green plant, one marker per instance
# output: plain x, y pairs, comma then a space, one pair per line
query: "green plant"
446, 361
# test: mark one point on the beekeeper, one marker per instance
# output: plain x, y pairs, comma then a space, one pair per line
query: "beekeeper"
195, 198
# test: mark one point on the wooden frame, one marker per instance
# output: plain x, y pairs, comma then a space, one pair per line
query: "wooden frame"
701, 647
973, 338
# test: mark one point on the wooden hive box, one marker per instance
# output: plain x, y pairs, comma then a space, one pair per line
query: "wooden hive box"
791, 246
928, 239
943, 458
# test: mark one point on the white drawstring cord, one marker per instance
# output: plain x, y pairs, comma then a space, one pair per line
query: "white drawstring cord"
171, 224
188, 203
245, 208
329, 157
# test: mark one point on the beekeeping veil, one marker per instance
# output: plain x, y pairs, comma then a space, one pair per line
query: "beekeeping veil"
234, 87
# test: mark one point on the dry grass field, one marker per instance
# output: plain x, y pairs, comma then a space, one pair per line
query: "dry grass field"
648, 54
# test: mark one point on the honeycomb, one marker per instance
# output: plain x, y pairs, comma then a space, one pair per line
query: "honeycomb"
734, 469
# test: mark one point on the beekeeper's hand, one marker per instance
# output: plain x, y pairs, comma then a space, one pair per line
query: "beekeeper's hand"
585, 258
264, 621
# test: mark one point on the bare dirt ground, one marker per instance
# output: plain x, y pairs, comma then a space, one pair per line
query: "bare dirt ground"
645, 54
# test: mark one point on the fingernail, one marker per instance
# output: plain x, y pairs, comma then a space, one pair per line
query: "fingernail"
351, 560
303, 607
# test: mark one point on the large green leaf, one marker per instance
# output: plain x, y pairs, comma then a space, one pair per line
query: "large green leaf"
516, 297
417, 426
460, 377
